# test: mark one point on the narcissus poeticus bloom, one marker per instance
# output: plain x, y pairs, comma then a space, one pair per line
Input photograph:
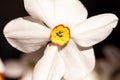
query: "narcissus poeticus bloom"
69, 35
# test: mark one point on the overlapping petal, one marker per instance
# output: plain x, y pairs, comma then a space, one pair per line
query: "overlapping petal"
78, 62
50, 66
55, 12
26, 35
94, 29
41, 9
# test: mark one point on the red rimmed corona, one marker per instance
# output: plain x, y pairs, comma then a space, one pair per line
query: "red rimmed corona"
60, 35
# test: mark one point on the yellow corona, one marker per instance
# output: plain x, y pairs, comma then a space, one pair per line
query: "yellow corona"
60, 35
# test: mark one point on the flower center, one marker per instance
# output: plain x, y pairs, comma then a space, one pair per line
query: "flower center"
60, 35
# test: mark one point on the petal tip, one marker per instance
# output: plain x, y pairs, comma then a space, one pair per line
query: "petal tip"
113, 17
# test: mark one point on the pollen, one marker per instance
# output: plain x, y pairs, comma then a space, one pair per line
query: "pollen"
60, 35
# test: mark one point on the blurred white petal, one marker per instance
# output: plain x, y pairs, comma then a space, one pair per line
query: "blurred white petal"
78, 62
2, 67
13, 69
50, 66
26, 35
94, 29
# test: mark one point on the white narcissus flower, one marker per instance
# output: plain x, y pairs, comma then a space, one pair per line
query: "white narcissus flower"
63, 24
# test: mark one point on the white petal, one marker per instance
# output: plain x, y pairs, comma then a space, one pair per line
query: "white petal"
26, 35
50, 66
55, 12
70, 12
42, 9
94, 30
2, 68
78, 62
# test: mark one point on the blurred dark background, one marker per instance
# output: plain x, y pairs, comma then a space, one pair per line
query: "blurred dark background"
10, 9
